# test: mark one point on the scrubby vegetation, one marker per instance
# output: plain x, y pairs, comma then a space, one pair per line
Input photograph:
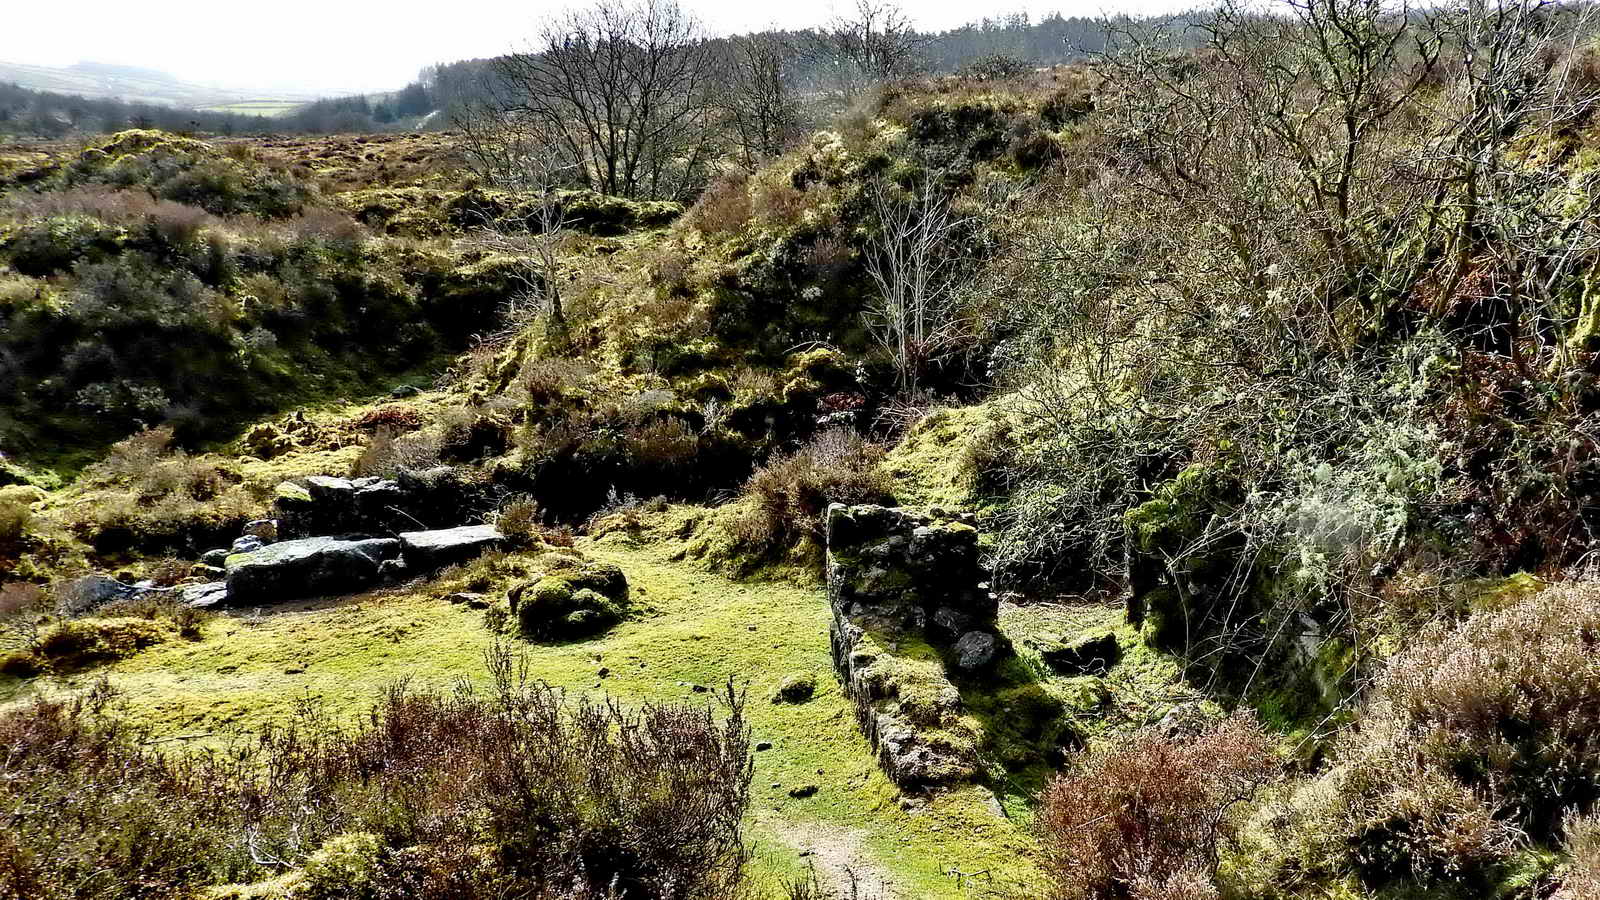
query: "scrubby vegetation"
146, 242
1262, 350
436, 795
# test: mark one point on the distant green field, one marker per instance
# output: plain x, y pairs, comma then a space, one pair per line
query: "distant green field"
256, 107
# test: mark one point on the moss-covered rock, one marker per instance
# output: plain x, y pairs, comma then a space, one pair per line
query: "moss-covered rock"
574, 599
1173, 575
796, 689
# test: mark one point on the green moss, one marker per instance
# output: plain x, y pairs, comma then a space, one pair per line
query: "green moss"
1179, 510
343, 868
929, 464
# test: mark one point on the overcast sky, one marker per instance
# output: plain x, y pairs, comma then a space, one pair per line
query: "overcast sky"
343, 46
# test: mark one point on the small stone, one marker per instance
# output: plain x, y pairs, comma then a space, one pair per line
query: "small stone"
392, 570
215, 557
976, 651
604, 671
462, 597
246, 544
776, 785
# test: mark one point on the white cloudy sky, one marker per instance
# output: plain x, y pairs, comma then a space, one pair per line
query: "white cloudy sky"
363, 45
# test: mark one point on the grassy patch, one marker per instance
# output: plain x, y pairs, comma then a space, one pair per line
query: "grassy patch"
698, 629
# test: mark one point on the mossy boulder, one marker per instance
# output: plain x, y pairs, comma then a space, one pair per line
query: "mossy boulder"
1086, 654
575, 599
1179, 561
796, 689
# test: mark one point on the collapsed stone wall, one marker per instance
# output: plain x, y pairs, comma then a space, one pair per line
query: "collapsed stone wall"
910, 611
324, 505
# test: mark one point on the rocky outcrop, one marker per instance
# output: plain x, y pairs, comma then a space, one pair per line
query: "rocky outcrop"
306, 568
325, 505
910, 613
318, 566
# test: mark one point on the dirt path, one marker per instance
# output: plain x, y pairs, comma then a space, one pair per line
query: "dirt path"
836, 854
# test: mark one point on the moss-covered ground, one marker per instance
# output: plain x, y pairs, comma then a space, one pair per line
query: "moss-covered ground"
696, 629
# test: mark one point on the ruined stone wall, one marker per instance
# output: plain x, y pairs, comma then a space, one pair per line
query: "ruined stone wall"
909, 612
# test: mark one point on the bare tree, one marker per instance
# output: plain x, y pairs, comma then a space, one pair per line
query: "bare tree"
511, 157
760, 104
1529, 224
621, 90
914, 264
873, 43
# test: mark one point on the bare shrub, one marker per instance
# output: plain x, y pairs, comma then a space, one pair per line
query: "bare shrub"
518, 519
725, 206
134, 456
1141, 821
916, 262
389, 453
787, 496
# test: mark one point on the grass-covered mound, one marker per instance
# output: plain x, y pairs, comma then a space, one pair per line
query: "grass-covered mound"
153, 279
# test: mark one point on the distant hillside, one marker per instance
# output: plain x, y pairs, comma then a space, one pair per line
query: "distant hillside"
137, 85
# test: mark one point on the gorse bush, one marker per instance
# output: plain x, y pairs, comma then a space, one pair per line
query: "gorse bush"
1142, 820
514, 793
